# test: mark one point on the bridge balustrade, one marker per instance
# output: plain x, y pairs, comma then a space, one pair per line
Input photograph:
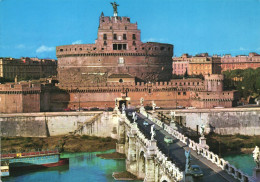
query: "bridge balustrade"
168, 166
214, 158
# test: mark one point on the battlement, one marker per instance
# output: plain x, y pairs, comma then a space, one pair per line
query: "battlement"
20, 87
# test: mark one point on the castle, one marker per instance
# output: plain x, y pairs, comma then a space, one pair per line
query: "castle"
118, 68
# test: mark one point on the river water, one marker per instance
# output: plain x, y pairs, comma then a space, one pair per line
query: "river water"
85, 167
245, 162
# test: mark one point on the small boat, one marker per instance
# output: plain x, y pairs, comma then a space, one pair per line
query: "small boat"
4, 168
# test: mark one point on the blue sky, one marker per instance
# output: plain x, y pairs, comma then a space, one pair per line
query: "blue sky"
34, 27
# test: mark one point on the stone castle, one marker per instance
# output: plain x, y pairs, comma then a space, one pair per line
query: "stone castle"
118, 50
118, 67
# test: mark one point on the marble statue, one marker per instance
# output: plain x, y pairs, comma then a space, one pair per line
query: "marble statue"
154, 105
123, 108
152, 132
172, 115
142, 101
256, 156
202, 128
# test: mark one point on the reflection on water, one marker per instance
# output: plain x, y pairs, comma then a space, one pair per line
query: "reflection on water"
83, 167
245, 162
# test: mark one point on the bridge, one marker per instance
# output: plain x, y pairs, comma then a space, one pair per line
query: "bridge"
153, 160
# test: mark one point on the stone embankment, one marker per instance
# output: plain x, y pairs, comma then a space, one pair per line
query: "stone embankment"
65, 143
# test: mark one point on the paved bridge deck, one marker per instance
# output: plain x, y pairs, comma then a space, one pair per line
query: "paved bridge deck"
176, 153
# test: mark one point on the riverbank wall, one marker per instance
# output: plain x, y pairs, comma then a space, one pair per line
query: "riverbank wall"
96, 123
225, 121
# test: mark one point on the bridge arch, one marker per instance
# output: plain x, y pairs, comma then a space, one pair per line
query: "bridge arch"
141, 165
164, 179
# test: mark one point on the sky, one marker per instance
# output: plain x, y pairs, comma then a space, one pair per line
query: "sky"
33, 28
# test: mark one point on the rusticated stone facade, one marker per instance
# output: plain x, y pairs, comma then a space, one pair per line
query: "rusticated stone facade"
117, 50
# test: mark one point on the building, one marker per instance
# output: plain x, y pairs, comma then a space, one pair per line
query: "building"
118, 69
240, 62
117, 50
27, 68
180, 65
204, 64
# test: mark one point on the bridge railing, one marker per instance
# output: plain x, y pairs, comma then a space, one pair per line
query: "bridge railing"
169, 167
214, 158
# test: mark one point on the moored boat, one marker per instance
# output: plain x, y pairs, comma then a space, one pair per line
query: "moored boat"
33, 160
4, 168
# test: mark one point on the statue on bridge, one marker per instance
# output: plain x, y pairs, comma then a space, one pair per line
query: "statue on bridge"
154, 105
187, 166
172, 124
152, 132
202, 129
256, 156
134, 116
142, 101
123, 108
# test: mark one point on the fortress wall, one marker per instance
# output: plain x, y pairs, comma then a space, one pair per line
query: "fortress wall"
103, 100
224, 121
59, 123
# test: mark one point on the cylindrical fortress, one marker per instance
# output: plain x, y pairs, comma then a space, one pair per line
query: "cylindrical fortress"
118, 50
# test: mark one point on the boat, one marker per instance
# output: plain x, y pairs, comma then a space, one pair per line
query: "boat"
4, 168
33, 160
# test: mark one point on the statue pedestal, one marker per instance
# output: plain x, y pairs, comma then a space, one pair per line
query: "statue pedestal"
142, 109
256, 174
173, 125
188, 178
203, 143
151, 147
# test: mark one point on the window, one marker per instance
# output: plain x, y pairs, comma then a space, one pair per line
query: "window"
104, 36
162, 48
133, 36
184, 93
119, 46
110, 28
115, 37
121, 60
125, 27
134, 43
61, 50
114, 46
124, 36
105, 43
179, 93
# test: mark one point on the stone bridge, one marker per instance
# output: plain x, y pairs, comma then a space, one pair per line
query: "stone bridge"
150, 161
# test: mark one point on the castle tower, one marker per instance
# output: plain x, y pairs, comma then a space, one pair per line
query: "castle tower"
117, 50
214, 82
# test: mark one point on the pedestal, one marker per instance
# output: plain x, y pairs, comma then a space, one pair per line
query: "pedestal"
173, 125
256, 174
203, 143
188, 178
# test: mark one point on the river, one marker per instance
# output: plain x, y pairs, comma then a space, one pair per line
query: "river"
85, 167
245, 162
